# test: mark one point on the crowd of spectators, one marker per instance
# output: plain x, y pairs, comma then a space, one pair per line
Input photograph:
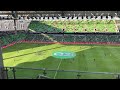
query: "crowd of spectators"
11, 37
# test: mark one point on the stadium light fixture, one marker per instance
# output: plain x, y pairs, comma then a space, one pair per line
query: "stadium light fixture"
48, 17
116, 14
22, 17
30, 18
95, 17
43, 17
82, 17
104, 17
92, 14
34, 18
52, 17
39, 17
111, 17
72, 17
77, 17
98, 18
68, 17
7, 18
57, 17
101, 17
78, 14
102, 14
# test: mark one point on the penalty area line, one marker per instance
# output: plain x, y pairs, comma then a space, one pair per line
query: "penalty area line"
57, 69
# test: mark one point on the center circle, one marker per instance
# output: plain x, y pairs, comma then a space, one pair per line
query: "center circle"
63, 54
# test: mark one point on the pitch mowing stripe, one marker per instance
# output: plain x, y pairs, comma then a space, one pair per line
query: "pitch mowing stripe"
114, 60
86, 63
99, 63
76, 64
105, 64
89, 55
81, 61
96, 62
115, 51
90, 65
22, 52
57, 69
102, 60
111, 64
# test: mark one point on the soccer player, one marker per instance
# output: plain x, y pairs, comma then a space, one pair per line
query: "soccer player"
85, 29
95, 29
106, 29
63, 30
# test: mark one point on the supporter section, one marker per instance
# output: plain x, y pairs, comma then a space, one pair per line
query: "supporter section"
10, 38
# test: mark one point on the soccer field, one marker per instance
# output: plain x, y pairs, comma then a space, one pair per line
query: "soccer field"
92, 58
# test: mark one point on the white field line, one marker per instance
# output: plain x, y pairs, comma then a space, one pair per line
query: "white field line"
49, 37
57, 69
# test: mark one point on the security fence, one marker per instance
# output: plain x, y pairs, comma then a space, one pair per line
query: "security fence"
44, 73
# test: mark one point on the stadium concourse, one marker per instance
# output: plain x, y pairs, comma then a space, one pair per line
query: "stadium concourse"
65, 29
8, 25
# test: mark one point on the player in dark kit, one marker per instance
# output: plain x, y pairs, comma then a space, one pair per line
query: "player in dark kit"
63, 30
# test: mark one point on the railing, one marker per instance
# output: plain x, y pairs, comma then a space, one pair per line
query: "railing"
44, 73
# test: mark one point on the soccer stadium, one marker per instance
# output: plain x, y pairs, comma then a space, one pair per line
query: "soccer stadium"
59, 44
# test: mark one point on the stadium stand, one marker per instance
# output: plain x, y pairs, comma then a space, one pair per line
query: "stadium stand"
68, 38
73, 26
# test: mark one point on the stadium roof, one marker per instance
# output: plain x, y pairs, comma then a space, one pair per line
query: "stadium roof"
60, 13
53, 12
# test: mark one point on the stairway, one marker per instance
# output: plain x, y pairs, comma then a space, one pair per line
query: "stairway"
45, 35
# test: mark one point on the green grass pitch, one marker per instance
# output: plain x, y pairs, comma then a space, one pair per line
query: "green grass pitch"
107, 59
